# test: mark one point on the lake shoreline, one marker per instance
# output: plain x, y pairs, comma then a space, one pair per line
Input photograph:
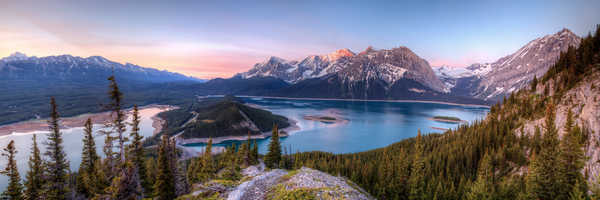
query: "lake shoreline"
447, 120
369, 100
76, 121
216, 140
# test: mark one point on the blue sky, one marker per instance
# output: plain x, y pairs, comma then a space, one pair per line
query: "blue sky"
219, 38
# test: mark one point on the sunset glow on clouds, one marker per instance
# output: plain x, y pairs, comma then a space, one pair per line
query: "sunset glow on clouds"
219, 39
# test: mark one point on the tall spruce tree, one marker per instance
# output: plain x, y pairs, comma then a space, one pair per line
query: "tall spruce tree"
118, 122
126, 184
137, 150
178, 173
483, 188
35, 175
89, 158
417, 174
207, 169
254, 153
274, 155
546, 180
56, 163
151, 172
164, 187
88, 155
14, 190
572, 157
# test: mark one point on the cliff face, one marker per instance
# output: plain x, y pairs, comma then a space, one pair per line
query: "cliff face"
584, 102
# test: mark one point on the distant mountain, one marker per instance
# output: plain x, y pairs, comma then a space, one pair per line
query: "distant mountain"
18, 66
492, 81
385, 65
80, 85
372, 74
293, 71
448, 75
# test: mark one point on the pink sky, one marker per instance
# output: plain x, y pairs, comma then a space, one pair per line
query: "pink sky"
218, 39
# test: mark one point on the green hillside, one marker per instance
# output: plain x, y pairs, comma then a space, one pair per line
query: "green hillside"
217, 117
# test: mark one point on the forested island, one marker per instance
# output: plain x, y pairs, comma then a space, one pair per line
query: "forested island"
447, 119
219, 118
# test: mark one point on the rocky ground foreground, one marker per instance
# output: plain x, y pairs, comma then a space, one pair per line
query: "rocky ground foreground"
260, 183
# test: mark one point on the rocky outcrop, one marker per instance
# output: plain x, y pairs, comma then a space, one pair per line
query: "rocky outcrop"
259, 184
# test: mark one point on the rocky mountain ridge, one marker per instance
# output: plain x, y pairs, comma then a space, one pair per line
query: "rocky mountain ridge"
370, 65
492, 81
19, 66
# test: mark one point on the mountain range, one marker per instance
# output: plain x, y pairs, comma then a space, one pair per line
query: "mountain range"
493, 81
79, 85
26, 83
19, 66
399, 73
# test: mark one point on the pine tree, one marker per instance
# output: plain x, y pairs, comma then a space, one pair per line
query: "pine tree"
537, 140
254, 153
14, 189
534, 83
89, 159
35, 175
151, 171
417, 175
126, 184
545, 181
118, 122
245, 153
577, 193
274, 155
178, 173
572, 157
207, 168
89, 155
137, 148
483, 186
97, 181
56, 164
164, 187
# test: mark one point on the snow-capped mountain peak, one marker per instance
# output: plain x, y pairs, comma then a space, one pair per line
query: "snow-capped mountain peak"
340, 53
68, 67
15, 57
491, 81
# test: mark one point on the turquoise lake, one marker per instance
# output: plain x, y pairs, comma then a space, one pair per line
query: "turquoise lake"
370, 124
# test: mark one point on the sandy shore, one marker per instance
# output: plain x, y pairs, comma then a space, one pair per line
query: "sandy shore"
157, 124
397, 101
447, 120
438, 128
75, 121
